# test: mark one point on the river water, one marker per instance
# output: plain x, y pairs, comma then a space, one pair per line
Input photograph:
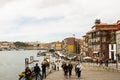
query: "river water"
12, 63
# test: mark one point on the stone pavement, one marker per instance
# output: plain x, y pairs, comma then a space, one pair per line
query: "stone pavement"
87, 74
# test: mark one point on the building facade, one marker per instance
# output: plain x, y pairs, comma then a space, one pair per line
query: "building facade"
118, 44
101, 41
71, 45
58, 46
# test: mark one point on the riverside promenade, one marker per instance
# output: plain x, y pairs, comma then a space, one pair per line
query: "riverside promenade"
88, 73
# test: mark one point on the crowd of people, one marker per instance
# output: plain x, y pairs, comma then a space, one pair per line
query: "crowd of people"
37, 72
40, 73
106, 62
68, 67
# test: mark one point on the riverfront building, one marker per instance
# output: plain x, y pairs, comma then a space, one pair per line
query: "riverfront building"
71, 45
101, 41
58, 46
118, 44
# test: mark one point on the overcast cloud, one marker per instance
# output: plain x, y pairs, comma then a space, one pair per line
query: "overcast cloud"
53, 20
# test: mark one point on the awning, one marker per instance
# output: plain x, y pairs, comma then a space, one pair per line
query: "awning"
95, 52
87, 57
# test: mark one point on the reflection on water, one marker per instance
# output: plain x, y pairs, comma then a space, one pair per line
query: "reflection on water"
12, 63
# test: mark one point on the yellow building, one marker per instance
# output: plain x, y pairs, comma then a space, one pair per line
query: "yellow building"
71, 48
58, 46
70, 44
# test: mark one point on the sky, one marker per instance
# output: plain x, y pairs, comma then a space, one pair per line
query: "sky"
53, 20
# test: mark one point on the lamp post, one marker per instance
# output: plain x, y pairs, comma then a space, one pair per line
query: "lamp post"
117, 61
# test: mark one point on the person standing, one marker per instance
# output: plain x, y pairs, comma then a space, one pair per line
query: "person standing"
97, 61
28, 73
106, 63
37, 71
70, 67
79, 68
43, 70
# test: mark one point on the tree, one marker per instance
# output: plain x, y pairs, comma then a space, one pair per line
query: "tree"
21, 44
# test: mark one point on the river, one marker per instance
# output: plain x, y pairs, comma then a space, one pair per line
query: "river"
12, 63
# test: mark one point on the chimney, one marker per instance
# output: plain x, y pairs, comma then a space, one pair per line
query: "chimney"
97, 21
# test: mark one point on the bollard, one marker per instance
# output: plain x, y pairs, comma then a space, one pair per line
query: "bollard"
32, 61
26, 62
31, 58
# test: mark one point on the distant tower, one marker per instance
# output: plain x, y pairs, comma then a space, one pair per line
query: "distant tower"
97, 21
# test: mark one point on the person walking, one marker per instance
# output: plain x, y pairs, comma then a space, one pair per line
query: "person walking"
78, 68
43, 69
101, 62
28, 73
57, 65
70, 67
106, 63
37, 71
65, 69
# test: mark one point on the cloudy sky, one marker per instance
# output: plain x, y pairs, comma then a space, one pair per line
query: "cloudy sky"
53, 20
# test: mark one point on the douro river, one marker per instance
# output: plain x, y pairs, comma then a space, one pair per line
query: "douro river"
12, 63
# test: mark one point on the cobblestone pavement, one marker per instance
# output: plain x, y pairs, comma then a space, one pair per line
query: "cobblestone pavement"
87, 74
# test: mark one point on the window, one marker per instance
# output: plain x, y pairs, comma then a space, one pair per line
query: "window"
103, 46
112, 47
112, 55
103, 39
98, 54
103, 55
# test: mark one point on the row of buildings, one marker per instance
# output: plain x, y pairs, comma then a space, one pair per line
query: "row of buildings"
71, 45
102, 42
5, 45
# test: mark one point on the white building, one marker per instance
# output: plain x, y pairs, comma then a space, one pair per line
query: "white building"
118, 42
112, 51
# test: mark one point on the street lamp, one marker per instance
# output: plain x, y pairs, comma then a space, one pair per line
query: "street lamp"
116, 60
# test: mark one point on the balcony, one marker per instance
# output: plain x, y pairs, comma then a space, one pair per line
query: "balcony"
95, 43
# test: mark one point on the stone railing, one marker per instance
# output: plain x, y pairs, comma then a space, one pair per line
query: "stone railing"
92, 66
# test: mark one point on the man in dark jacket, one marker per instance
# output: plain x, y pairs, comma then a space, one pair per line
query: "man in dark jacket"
65, 69
37, 71
70, 67
43, 70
